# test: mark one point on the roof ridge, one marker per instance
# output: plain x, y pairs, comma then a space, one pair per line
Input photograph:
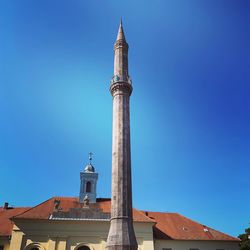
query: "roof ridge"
159, 212
208, 227
227, 235
4, 211
13, 208
64, 197
32, 208
144, 215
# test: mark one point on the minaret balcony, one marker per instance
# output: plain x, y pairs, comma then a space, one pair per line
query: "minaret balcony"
116, 78
121, 88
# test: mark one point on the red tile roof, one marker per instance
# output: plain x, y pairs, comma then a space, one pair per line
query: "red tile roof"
6, 224
171, 226
177, 227
45, 209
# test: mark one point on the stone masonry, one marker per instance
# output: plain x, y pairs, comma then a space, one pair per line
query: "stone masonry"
121, 233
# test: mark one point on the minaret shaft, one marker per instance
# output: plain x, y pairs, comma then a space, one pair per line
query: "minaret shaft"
121, 159
121, 233
121, 63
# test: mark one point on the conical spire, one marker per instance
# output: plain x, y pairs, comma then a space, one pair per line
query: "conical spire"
120, 35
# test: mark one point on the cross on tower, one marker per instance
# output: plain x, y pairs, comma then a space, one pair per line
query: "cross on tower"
90, 157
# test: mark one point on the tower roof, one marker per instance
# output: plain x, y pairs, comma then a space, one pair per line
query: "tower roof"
120, 35
89, 168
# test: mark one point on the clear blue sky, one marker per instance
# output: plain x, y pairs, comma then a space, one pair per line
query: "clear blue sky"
190, 109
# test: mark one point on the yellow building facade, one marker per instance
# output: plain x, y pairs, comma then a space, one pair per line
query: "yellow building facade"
64, 223
71, 235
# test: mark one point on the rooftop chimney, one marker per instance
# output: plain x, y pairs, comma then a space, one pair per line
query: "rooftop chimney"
6, 205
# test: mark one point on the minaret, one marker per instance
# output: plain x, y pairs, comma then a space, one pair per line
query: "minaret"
121, 233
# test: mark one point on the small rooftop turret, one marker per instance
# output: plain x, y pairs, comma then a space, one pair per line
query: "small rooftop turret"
88, 182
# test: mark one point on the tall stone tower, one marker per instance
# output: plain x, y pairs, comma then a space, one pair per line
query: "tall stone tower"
121, 233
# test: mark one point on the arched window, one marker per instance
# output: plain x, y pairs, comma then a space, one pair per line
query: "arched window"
34, 246
83, 248
88, 187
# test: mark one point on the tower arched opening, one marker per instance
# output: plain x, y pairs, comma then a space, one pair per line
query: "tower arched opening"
88, 187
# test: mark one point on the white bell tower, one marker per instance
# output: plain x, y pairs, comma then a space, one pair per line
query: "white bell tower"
88, 182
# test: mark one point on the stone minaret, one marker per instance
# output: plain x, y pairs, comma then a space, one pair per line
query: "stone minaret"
121, 233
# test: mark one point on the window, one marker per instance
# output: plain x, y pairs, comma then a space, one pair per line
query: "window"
83, 248
34, 246
88, 189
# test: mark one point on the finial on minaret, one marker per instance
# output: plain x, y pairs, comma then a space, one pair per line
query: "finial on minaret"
90, 157
120, 35
121, 60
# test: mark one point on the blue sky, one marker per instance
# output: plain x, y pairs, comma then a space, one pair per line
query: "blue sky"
189, 61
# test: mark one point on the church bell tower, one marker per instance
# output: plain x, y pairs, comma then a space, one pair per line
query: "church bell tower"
121, 233
88, 183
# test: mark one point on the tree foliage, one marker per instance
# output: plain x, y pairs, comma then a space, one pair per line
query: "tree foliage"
245, 240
